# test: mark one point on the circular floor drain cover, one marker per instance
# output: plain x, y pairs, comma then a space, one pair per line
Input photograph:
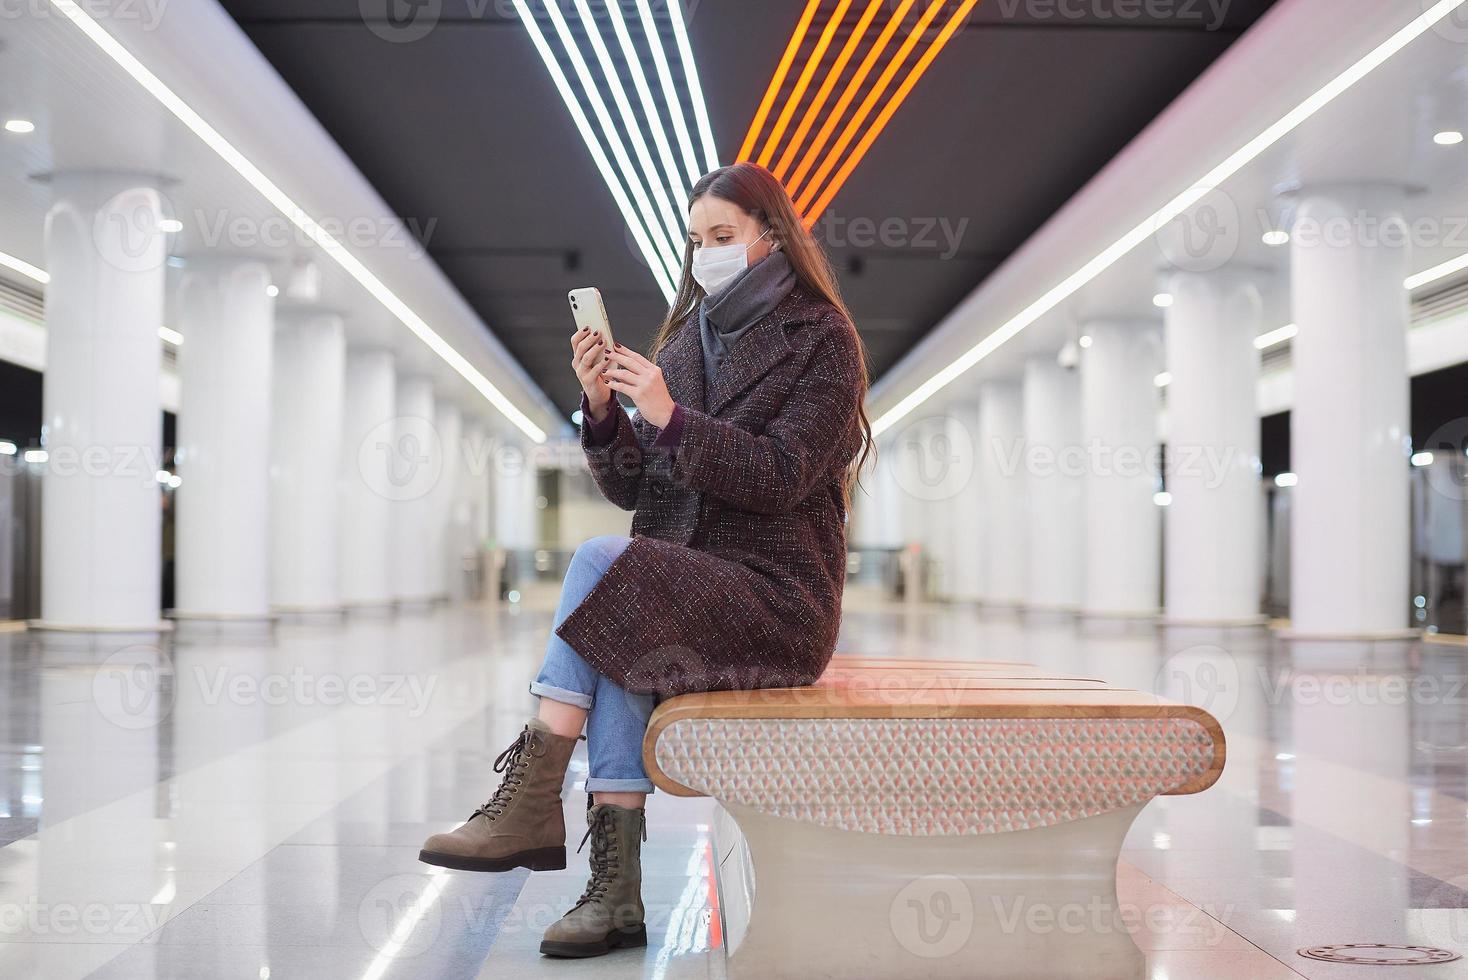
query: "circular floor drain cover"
1379, 954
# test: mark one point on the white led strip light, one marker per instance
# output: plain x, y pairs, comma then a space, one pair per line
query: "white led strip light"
281, 202
651, 202
656, 261
1142, 232
25, 268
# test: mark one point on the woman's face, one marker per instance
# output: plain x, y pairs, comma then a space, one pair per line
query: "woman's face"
713, 221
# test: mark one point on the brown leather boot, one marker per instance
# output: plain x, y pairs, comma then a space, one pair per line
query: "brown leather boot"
609, 912
521, 825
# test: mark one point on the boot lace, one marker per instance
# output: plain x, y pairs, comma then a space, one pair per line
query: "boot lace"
513, 762
605, 855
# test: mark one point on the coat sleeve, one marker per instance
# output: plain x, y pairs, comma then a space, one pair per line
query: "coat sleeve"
616, 465
771, 473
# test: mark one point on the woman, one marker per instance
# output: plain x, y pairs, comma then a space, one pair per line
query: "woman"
748, 436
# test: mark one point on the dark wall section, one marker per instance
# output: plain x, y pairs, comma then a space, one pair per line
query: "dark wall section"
20, 405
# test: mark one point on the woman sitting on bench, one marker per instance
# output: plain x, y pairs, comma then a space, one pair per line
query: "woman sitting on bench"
739, 465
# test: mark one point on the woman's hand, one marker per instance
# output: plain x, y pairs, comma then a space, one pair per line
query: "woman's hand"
642, 380
588, 357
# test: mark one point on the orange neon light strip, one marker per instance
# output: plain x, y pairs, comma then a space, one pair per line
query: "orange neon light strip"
779, 78
803, 82
889, 110
852, 88
824, 93
869, 103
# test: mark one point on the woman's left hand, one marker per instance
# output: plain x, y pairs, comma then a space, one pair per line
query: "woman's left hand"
642, 380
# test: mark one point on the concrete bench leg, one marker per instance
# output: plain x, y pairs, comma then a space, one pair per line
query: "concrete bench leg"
1026, 904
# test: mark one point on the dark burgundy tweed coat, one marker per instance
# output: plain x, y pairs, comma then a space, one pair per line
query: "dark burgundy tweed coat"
733, 579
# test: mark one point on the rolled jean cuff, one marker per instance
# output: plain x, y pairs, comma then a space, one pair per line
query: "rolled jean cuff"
560, 694
597, 784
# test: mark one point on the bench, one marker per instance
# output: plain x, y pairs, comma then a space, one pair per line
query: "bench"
936, 819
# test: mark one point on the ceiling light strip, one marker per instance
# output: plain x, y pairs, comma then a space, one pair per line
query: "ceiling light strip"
650, 253
888, 110
627, 171
670, 90
803, 82
695, 89
675, 183
812, 113
878, 90
308, 225
777, 80
1142, 232
656, 185
25, 268
852, 88
1435, 274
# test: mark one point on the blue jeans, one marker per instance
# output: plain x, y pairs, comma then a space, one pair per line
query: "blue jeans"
617, 718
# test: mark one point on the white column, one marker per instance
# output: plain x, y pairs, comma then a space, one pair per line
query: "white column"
228, 323
310, 355
963, 512
1119, 429
516, 518
365, 524
1001, 468
417, 459
446, 505
476, 464
100, 525
1054, 538
1213, 524
1350, 424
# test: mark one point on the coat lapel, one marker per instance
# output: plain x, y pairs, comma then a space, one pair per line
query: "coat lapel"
682, 364
761, 348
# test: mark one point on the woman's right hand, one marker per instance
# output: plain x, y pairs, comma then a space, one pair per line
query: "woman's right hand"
589, 354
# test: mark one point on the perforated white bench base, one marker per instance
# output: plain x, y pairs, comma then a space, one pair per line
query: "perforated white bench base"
1032, 905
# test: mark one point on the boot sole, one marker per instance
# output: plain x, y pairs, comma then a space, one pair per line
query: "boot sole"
629, 938
536, 859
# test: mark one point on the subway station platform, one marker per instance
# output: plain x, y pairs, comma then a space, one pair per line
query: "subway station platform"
228, 810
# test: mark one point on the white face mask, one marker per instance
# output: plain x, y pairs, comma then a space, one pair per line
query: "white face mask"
714, 267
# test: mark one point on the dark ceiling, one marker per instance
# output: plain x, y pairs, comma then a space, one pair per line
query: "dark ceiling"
463, 132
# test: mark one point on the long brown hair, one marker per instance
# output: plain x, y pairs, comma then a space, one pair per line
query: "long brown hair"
761, 195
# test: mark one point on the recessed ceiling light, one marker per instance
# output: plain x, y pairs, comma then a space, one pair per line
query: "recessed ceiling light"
1162, 300
19, 126
272, 290
170, 225
1085, 341
1162, 380
1449, 137
1274, 239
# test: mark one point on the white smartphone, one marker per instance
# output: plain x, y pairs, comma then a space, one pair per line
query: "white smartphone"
590, 313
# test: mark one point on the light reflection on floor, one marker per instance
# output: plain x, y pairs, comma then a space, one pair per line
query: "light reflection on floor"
254, 810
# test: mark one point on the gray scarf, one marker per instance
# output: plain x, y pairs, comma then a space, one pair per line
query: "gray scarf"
724, 318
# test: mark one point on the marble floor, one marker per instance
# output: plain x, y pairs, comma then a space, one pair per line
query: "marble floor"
253, 810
